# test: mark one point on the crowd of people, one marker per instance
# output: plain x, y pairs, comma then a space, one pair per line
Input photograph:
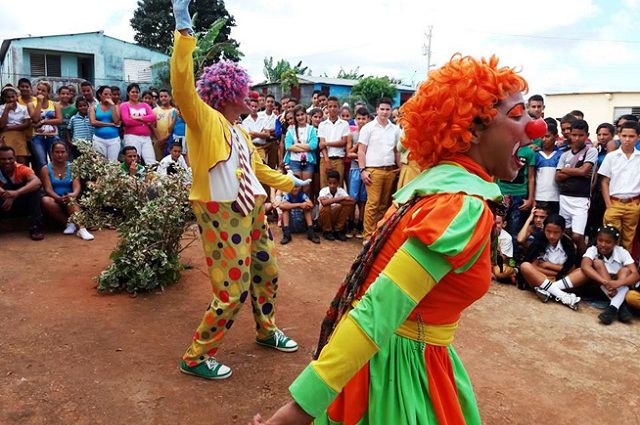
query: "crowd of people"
573, 189
570, 217
40, 131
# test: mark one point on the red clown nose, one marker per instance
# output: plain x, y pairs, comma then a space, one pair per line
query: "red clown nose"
536, 128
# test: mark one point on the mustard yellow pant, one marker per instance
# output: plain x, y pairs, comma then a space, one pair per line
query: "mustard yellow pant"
379, 192
624, 217
241, 260
633, 298
336, 164
408, 172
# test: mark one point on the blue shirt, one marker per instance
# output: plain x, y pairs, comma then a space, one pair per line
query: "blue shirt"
106, 132
80, 128
180, 127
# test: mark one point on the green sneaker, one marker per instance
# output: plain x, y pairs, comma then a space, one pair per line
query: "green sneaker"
208, 369
280, 342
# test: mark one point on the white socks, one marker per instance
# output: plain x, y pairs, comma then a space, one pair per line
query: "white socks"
557, 288
618, 298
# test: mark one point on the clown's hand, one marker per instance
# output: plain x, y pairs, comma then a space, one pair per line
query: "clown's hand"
296, 181
181, 13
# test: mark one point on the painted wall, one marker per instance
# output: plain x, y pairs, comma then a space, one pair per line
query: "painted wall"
597, 107
108, 57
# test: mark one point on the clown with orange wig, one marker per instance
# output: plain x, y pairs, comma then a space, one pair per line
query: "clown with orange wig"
385, 353
228, 200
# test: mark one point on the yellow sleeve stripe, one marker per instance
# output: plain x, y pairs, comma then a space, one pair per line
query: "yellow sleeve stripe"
409, 276
333, 366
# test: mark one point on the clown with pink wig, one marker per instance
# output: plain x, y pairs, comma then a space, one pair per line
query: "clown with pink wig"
228, 200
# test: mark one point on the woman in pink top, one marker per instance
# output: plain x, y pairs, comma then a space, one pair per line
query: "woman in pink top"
137, 118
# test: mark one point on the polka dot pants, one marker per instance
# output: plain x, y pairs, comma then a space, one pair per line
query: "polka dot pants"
241, 260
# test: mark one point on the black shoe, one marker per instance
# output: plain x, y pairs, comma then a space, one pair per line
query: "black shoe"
624, 314
311, 235
329, 236
286, 235
341, 236
36, 233
608, 315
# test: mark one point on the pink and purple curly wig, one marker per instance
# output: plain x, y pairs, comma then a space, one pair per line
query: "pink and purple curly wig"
223, 82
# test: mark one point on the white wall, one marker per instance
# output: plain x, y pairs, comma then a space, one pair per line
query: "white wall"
597, 107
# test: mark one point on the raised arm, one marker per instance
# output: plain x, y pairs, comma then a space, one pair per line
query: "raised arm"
194, 110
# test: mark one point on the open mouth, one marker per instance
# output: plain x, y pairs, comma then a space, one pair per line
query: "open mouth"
517, 161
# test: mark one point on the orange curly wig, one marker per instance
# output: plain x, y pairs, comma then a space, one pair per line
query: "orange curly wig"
438, 117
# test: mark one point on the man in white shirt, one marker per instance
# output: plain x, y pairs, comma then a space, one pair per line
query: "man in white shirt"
269, 151
336, 207
332, 137
254, 125
620, 173
14, 121
171, 163
379, 164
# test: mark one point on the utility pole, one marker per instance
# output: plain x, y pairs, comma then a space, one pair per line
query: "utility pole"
426, 48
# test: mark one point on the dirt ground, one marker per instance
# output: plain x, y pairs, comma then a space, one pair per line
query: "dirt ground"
71, 356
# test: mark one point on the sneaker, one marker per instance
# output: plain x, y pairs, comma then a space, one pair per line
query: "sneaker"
285, 239
544, 296
36, 233
358, 234
608, 315
329, 236
571, 300
70, 229
341, 236
280, 342
624, 314
84, 234
208, 369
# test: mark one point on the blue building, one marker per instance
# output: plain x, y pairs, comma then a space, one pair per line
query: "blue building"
338, 87
72, 58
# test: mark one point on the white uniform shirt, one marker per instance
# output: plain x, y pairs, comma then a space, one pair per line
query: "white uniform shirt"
223, 179
333, 132
380, 142
16, 116
325, 192
619, 258
257, 125
623, 172
505, 243
269, 120
555, 255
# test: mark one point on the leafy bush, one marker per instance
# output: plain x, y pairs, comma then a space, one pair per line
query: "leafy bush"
151, 215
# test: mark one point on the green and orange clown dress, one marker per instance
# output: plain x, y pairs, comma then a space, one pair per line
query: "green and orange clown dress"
389, 359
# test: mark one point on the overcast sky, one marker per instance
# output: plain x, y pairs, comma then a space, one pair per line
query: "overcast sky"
560, 45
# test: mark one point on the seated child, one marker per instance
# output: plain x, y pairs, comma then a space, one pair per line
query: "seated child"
296, 215
504, 269
532, 226
335, 208
171, 163
551, 256
609, 265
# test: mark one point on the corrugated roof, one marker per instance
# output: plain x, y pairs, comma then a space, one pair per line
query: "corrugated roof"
333, 82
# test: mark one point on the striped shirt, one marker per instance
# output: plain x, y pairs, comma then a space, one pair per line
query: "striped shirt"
80, 128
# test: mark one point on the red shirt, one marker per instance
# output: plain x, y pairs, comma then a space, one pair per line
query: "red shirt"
20, 175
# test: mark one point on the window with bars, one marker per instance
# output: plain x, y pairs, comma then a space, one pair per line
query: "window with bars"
618, 111
45, 65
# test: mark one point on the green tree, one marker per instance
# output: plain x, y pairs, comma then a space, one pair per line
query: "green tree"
352, 74
153, 23
373, 88
274, 73
208, 49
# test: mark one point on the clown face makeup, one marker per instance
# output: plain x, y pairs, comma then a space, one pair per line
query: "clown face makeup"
498, 143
